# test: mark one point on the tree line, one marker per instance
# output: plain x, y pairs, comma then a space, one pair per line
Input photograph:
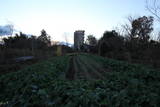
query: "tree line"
22, 46
134, 45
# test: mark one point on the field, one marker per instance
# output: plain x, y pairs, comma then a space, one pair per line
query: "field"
82, 80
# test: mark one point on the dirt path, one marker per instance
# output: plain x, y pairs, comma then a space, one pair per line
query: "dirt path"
71, 70
83, 67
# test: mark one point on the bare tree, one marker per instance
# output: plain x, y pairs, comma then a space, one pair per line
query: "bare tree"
153, 6
139, 28
127, 27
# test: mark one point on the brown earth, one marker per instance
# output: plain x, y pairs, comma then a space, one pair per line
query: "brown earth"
83, 67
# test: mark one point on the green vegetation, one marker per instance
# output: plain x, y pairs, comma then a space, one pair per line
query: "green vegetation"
97, 82
22, 87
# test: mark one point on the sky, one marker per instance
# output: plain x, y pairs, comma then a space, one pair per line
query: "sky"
60, 18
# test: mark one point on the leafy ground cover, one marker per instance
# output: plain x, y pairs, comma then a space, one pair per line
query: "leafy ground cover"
82, 80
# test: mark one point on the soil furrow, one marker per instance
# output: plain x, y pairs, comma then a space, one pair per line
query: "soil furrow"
71, 71
90, 69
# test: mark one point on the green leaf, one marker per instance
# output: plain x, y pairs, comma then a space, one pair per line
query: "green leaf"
42, 92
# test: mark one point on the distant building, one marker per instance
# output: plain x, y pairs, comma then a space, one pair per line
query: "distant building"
78, 39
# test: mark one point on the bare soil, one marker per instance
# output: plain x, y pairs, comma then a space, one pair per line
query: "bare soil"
82, 67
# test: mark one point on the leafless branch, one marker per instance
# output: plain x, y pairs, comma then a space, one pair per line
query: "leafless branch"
153, 8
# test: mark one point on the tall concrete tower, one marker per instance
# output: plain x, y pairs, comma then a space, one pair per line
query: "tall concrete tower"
78, 39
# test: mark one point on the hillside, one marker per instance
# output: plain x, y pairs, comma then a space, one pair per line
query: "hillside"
81, 80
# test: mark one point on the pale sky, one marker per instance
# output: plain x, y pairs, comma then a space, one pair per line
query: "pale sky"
62, 17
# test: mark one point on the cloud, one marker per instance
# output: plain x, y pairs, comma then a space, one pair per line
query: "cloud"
6, 30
